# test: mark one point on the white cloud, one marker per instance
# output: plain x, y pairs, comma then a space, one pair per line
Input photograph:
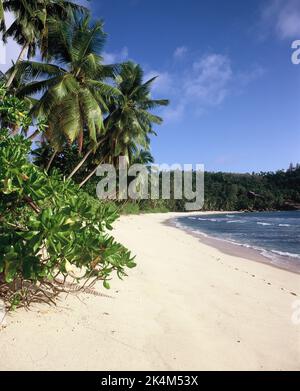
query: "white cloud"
164, 83
283, 17
113, 57
180, 52
173, 113
247, 77
202, 85
206, 80
85, 3
209, 81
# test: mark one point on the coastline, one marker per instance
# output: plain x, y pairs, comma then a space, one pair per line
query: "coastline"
187, 306
237, 249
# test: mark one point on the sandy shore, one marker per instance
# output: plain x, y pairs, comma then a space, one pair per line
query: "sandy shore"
187, 306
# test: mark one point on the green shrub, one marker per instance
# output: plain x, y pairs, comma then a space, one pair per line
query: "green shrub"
13, 111
129, 208
47, 226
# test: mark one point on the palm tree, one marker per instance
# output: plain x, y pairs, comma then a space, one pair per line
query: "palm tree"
74, 92
30, 27
143, 157
129, 124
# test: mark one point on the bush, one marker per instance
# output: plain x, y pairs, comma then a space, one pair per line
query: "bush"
48, 227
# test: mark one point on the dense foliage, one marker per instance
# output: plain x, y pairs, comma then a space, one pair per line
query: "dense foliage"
43, 214
263, 191
82, 112
49, 229
248, 192
227, 192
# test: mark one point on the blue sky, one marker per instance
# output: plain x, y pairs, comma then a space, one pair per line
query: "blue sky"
225, 66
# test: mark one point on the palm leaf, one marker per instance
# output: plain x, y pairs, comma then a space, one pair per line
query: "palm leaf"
91, 114
103, 88
38, 87
34, 70
149, 104
64, 120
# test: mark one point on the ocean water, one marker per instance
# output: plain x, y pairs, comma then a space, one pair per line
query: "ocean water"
276, 235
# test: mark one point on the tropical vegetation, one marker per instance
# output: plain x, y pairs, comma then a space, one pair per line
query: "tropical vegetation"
223, 191
61, 114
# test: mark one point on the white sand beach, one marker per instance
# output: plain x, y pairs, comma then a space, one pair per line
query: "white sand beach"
187, 306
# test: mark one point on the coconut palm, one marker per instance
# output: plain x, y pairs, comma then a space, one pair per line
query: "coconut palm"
30, 27
74, 89
142, 157
129, 124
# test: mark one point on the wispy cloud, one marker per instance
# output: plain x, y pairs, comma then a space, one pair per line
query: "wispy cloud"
173, 113
281, 17
85, 3
246, 77
209, 80
180, 52
202, 85
115, 57
164, 84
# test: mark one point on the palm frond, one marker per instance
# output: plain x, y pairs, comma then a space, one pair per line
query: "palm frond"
37, 87
91, 114
103, 88
64, 120
35, 70
149, 104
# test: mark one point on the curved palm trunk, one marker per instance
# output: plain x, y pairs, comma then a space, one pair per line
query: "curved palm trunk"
84, 160
80, 164
91, 174
88, 177
51, 161
20, 58
80, 142
34, 134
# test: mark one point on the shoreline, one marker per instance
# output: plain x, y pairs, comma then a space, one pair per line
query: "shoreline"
236, 249
186, 306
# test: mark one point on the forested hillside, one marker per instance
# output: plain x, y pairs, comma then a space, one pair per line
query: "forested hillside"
228, 191
279, 190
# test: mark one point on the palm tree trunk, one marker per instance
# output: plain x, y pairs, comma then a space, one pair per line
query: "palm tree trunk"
90, 174
34, 134
83, 161
80, 142
51, 161
88, 177
80, 164
20, 58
